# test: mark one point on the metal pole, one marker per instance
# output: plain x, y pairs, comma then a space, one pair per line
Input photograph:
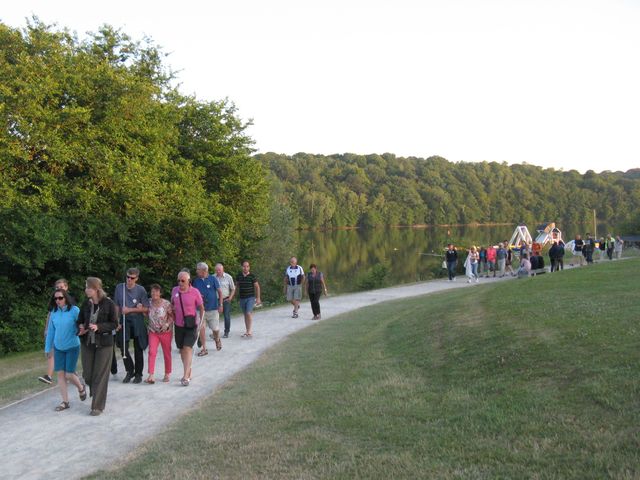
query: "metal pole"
595, 228
124, 318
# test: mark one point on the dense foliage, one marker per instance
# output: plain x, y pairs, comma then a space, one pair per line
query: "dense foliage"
105, 165
373, 190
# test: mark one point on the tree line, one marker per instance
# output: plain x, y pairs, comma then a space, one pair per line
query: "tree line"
375, 190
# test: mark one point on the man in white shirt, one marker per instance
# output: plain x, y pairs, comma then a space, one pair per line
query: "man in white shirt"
293, 278
228, 291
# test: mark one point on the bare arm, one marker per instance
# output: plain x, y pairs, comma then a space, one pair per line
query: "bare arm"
257, 287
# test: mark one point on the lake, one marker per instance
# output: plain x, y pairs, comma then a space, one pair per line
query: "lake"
347, 257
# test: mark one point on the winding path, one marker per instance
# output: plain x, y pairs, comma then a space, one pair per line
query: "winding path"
37, 442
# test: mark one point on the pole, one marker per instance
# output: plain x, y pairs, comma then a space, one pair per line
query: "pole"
595, 228
124, 318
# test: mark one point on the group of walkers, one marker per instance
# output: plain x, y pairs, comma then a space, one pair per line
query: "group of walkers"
92, 331
493, 260
497, 261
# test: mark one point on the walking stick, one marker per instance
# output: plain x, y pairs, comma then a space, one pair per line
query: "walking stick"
124, 318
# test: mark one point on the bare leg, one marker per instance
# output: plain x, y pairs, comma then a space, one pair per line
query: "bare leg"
248, 321
186, 354
73, 378
50, 366
203, 334
62, 383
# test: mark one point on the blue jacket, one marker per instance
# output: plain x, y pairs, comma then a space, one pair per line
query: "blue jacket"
62, 332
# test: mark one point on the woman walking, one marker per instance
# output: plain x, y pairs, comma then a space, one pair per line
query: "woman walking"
186, 301
62, 338
160, 332
315, 287
471, 264
98, 318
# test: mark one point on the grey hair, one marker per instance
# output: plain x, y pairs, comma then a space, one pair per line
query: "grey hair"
202, 266
133, 271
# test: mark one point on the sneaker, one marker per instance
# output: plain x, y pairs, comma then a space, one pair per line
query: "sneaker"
477, 280
226, 335
95, 413
137, 379
45, 379
127, 378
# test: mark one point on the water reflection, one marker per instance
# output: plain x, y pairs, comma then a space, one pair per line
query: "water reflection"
410, 254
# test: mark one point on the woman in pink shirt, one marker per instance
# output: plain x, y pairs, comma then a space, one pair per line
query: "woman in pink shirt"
160, 332
187, 302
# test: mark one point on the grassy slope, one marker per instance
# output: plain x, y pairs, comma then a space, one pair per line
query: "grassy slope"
19, 376
535, 378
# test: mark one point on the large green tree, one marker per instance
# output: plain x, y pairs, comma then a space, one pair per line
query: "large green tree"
105, 165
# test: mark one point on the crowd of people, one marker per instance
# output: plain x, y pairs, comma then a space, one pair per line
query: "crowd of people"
498, 260
93, 331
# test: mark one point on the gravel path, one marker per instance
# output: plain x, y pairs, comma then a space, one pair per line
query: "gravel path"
37, 442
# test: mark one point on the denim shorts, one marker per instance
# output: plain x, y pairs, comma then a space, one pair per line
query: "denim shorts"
247, 304
66, 360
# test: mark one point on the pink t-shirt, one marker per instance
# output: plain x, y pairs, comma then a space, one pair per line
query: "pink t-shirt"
191, 299
491, 254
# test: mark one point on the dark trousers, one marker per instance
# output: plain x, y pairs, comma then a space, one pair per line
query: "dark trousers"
554, 264
610, 253
560, 264
314, 298
95, 371
226, 305
114, 361
131, 367
451, 269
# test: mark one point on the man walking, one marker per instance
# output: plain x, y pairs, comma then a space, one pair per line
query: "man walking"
451, 257
501, 256
209, 288
249, 295
132, 301
228, 291
293, 278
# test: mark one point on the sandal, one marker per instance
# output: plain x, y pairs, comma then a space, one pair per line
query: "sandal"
83, 393
166, 379
246, 335
150, 381
203, 352
185, 382
62, 406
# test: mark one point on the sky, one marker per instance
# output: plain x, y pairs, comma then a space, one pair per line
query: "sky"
554, 83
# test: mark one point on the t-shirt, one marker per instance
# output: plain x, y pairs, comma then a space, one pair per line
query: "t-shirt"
245, 284
191, 299
294, 275
208, 288
134, 297
159, 319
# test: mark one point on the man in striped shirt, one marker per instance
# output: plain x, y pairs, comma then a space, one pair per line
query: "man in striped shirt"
249, 295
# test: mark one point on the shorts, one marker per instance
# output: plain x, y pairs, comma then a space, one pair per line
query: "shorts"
66, 360
247, 304
185, 337
294, 292
213, 319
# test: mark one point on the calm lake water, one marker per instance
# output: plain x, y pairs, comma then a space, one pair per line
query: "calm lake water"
346, 257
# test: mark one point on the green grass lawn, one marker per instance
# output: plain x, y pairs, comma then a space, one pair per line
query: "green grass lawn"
19, 376
533, 378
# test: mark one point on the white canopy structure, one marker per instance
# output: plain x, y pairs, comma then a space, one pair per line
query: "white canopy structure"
520, 236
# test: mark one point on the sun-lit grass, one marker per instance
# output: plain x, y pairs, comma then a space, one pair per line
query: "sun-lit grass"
19, 375
533, 378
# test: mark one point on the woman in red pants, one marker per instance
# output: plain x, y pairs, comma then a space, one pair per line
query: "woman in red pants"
160, 332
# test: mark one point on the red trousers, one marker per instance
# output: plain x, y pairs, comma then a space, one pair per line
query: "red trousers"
164, 339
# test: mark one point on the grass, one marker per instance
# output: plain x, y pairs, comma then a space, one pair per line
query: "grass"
534, 378
19, 376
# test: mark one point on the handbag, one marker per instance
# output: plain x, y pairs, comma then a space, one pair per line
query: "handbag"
189, 320
444, 264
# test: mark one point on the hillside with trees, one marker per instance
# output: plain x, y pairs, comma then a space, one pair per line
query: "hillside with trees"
375, 190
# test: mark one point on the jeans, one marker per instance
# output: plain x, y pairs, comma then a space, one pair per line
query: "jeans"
226, 305
451, 269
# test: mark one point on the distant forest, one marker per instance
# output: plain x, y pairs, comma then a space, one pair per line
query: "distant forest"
375, 190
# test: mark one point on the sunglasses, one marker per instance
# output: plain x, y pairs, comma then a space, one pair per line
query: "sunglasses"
182, 280
59, 298
131, 277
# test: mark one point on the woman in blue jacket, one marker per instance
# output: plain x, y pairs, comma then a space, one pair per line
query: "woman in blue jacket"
62, 338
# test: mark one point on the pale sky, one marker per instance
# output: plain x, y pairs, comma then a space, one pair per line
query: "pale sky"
554, 83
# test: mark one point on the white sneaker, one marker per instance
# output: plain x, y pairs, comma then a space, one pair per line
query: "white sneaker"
477, 280
469, 281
